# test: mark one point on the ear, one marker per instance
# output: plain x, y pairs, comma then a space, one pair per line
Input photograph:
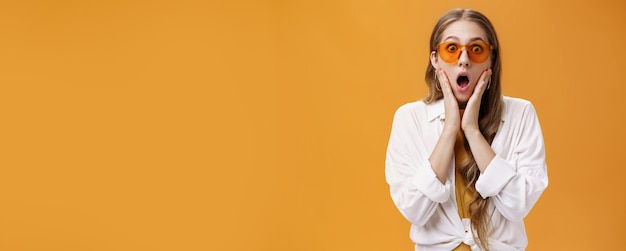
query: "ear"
434, 60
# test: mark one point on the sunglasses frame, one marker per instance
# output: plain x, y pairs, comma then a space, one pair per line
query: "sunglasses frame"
454, 57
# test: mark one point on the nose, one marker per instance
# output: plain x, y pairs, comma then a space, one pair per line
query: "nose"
464, 60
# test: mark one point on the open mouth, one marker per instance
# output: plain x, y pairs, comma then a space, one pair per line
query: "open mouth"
462, 81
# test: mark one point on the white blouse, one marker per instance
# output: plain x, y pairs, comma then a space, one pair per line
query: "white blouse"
513, 180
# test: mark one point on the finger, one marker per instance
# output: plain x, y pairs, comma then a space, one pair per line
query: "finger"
482, 83
484, 77
444, 83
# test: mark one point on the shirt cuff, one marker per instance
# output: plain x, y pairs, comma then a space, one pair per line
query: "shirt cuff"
497, 174
425, 180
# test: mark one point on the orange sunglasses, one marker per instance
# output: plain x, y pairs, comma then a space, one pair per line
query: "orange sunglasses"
477, 52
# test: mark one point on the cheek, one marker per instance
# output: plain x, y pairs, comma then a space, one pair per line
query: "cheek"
449, 70
480, 69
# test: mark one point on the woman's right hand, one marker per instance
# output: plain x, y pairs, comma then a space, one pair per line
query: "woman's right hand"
452, 122
443, 153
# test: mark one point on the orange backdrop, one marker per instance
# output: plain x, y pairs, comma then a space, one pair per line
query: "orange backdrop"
262, 125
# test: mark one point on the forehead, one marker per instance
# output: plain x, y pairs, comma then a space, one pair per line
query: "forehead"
463, 31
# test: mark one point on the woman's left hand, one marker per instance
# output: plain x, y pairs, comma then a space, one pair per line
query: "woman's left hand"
469, 122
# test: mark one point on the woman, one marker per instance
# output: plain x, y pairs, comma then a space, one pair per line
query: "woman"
466, 164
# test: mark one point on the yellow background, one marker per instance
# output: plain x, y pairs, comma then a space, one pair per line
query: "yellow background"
262, 125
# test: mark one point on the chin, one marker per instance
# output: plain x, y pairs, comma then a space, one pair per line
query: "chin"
462, 99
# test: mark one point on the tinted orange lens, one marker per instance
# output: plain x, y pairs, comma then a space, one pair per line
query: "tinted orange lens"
477, 52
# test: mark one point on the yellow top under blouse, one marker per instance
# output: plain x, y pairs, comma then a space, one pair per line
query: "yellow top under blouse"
463, 198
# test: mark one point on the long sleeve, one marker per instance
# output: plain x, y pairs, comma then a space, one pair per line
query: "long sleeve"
516, 183
414, 187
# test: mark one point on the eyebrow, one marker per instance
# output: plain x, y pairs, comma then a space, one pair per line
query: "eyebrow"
471, 40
